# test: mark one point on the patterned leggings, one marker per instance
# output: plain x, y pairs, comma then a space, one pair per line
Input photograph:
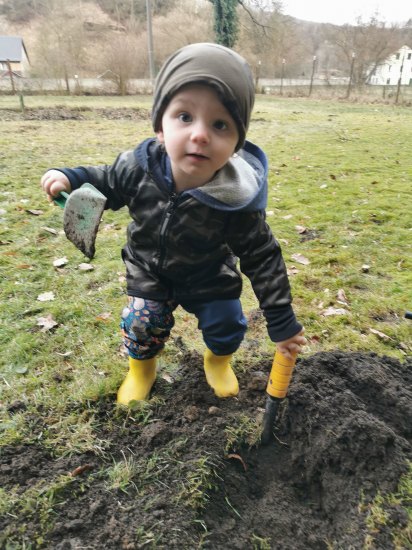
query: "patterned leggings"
146, 325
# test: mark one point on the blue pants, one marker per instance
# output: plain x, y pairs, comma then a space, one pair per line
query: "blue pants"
146, 325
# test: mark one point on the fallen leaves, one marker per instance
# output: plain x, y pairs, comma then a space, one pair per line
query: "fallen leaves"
34, 212
105, 316
333, 311
46, 297
80, 470
50, 230
60, 262
47, 323
300, 258
239, 458
341, 297
85, 267
292, 270
380, 334
301, 229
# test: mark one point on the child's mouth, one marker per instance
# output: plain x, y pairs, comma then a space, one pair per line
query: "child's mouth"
197, 156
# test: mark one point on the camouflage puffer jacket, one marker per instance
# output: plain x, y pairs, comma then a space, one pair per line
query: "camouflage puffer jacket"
185, 246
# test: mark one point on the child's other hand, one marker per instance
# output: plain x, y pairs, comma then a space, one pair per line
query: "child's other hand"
292, 346
53, 182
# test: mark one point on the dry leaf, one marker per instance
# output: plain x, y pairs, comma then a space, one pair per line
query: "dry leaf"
341, 296
238, 457
60, 262
104, 316
24, 266
300, 259
85, 267
35, 212
80, 470
301, 228
46, 297
381, 335
292, 270
109, 226
50, 230
333, 311
47, 323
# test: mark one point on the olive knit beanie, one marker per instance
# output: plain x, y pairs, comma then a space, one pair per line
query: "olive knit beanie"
214, 65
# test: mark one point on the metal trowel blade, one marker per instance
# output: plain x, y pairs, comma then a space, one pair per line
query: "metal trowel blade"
81, 218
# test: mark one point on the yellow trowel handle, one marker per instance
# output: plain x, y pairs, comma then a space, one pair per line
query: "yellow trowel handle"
280, 375
276, 390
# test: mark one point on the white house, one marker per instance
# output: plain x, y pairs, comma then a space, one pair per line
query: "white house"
13, 55
397, 66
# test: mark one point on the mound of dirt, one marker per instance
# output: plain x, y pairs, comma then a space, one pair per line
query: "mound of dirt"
75, 113
344, 435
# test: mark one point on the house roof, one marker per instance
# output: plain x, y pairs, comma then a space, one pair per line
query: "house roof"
11, 48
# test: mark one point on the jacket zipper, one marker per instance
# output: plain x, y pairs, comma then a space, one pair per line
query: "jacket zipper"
165, 226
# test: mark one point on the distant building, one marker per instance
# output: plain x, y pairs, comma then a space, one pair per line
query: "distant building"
13, 56
398, 65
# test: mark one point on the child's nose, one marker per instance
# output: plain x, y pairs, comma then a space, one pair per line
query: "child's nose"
200, 132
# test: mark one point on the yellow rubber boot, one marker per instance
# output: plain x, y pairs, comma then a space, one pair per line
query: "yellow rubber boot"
138, 382
219, 374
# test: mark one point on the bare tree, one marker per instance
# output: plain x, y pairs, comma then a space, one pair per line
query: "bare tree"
267, 37
121, 57
371, 42
60, 42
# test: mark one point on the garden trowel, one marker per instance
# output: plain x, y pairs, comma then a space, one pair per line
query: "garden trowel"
83, 210
276, 390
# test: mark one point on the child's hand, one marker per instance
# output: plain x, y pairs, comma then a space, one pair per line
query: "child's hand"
53, 182
292, 346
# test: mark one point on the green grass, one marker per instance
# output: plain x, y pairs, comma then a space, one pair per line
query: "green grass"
343, 171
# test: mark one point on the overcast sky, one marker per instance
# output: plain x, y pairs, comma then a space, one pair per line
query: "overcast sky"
340, 12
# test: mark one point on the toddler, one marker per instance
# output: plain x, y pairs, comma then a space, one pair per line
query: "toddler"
196, 194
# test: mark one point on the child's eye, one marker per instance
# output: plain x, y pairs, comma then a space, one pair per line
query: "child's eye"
184, 117
220, 125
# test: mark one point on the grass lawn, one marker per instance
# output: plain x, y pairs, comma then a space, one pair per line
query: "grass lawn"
339, 203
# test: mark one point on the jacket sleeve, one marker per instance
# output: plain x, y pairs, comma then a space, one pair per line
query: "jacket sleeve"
117, 181
251, 239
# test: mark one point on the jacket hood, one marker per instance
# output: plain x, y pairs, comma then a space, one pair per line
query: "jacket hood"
241, 185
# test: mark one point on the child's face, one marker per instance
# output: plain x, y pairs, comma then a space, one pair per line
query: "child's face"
199, 135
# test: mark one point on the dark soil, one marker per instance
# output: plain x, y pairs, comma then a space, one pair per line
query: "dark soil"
74, 113
344, 436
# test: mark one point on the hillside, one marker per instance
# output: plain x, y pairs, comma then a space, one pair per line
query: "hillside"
92, 37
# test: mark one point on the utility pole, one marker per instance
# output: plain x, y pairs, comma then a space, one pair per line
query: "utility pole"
312, 75
351, 75
398, 89
282, 76
150, 39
